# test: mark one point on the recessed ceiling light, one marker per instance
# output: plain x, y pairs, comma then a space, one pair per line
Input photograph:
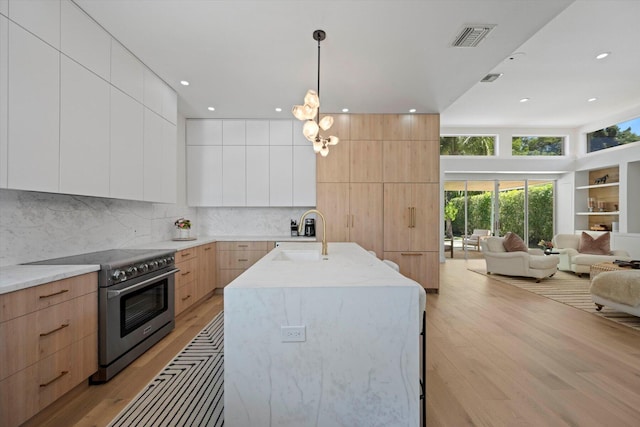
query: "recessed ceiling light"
211, 109
591, 99
278, 109
413, 110
184, 83
602, 55
524, 100
345, 110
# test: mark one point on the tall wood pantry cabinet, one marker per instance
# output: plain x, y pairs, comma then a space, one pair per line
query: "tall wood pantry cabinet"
379, 187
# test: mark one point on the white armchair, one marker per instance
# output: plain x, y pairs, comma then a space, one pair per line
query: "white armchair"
525, 264
474, 239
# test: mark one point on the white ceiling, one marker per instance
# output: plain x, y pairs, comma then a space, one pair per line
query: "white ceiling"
247, 57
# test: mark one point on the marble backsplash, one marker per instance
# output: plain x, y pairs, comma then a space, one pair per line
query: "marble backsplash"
36, 226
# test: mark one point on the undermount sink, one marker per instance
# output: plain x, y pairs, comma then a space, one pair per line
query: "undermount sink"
298, 255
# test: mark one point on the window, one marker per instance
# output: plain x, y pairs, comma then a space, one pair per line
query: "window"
537, 145
618, 134
467, 145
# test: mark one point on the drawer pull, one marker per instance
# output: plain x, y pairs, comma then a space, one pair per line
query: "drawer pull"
243, 260
243, 246
62, 374
64, 325
184, 255
410, 254
54, 294
185, 273
186, 298
207, 249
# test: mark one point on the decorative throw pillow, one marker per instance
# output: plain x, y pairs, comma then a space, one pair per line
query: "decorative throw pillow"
513, 243
598, 246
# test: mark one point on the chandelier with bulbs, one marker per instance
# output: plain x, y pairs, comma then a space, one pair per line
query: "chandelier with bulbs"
310, 112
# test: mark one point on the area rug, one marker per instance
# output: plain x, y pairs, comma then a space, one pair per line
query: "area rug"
188, 391
568, 289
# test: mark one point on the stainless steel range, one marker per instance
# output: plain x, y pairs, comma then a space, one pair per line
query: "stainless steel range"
135, 303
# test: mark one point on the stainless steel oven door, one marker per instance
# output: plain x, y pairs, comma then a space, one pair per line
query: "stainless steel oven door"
132, 311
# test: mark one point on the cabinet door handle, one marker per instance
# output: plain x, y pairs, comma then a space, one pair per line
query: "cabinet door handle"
186, 298
62, 374
242, 260
413, 221
243, 246
64, 325
352, 220
347, 220
53, 294
185, 254
410, 216
185, 273
410, 254
207, 249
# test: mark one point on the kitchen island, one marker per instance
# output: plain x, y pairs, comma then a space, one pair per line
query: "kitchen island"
314, 340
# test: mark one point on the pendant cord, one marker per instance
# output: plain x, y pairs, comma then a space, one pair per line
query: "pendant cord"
318, 115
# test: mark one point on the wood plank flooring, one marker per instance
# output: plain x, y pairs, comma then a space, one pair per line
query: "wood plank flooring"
496, 356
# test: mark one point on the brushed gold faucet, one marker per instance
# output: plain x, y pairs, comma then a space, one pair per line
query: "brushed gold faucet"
324, 228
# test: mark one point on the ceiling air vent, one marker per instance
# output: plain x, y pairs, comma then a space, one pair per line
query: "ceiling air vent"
472, 35
490, 77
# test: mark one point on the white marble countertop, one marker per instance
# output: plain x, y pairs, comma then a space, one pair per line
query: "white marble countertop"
346, 265
17, 277
179, 245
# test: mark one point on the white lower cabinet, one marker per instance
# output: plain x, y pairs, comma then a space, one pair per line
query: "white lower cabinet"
204, 175
33, 110
127, 152
84, 131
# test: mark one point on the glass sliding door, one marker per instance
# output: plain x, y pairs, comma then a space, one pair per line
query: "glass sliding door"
540, 197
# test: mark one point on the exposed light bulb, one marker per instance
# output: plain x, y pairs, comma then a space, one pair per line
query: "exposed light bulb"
326, 122
311, 99
310, 130
317, 146
324, 151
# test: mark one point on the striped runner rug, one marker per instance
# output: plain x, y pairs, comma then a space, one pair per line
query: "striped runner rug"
188, 391
568, 289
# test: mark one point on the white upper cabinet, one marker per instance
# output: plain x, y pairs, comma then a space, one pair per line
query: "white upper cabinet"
257, 132
84, 131
204, 132
281, 176
33, 112
234, 179
83, 40
40, 17
257, 175
298, 136
170, 104
170, 152
304, 176
204, 175
153, 156
233, 132
127, 72
4, 84
159, 97
4, 7
281, 132
127, 153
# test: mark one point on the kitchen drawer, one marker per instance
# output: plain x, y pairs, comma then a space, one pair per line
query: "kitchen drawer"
19, 303
227, 276
185, 297
239, 259
186, 254
242, 246
35, 336
188, 272
35, 387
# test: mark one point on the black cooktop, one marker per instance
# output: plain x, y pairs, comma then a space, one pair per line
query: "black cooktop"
110, 259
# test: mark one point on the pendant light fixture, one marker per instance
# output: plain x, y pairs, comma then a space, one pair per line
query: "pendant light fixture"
310, 112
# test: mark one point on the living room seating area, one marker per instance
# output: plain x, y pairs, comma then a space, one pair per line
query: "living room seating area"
578, 252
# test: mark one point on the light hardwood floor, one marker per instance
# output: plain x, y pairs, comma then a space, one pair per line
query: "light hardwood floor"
496, 356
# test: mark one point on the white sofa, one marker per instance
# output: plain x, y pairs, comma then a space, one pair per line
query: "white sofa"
526, 264
567, 245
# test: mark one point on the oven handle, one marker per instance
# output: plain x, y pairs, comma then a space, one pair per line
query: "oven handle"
117, 293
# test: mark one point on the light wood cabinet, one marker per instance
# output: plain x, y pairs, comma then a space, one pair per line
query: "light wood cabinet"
49, 344
423, 267
207, 260
353, 213
411, 161
411, 213
233, 258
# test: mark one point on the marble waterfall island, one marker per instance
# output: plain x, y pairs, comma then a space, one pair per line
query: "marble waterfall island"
313, 340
